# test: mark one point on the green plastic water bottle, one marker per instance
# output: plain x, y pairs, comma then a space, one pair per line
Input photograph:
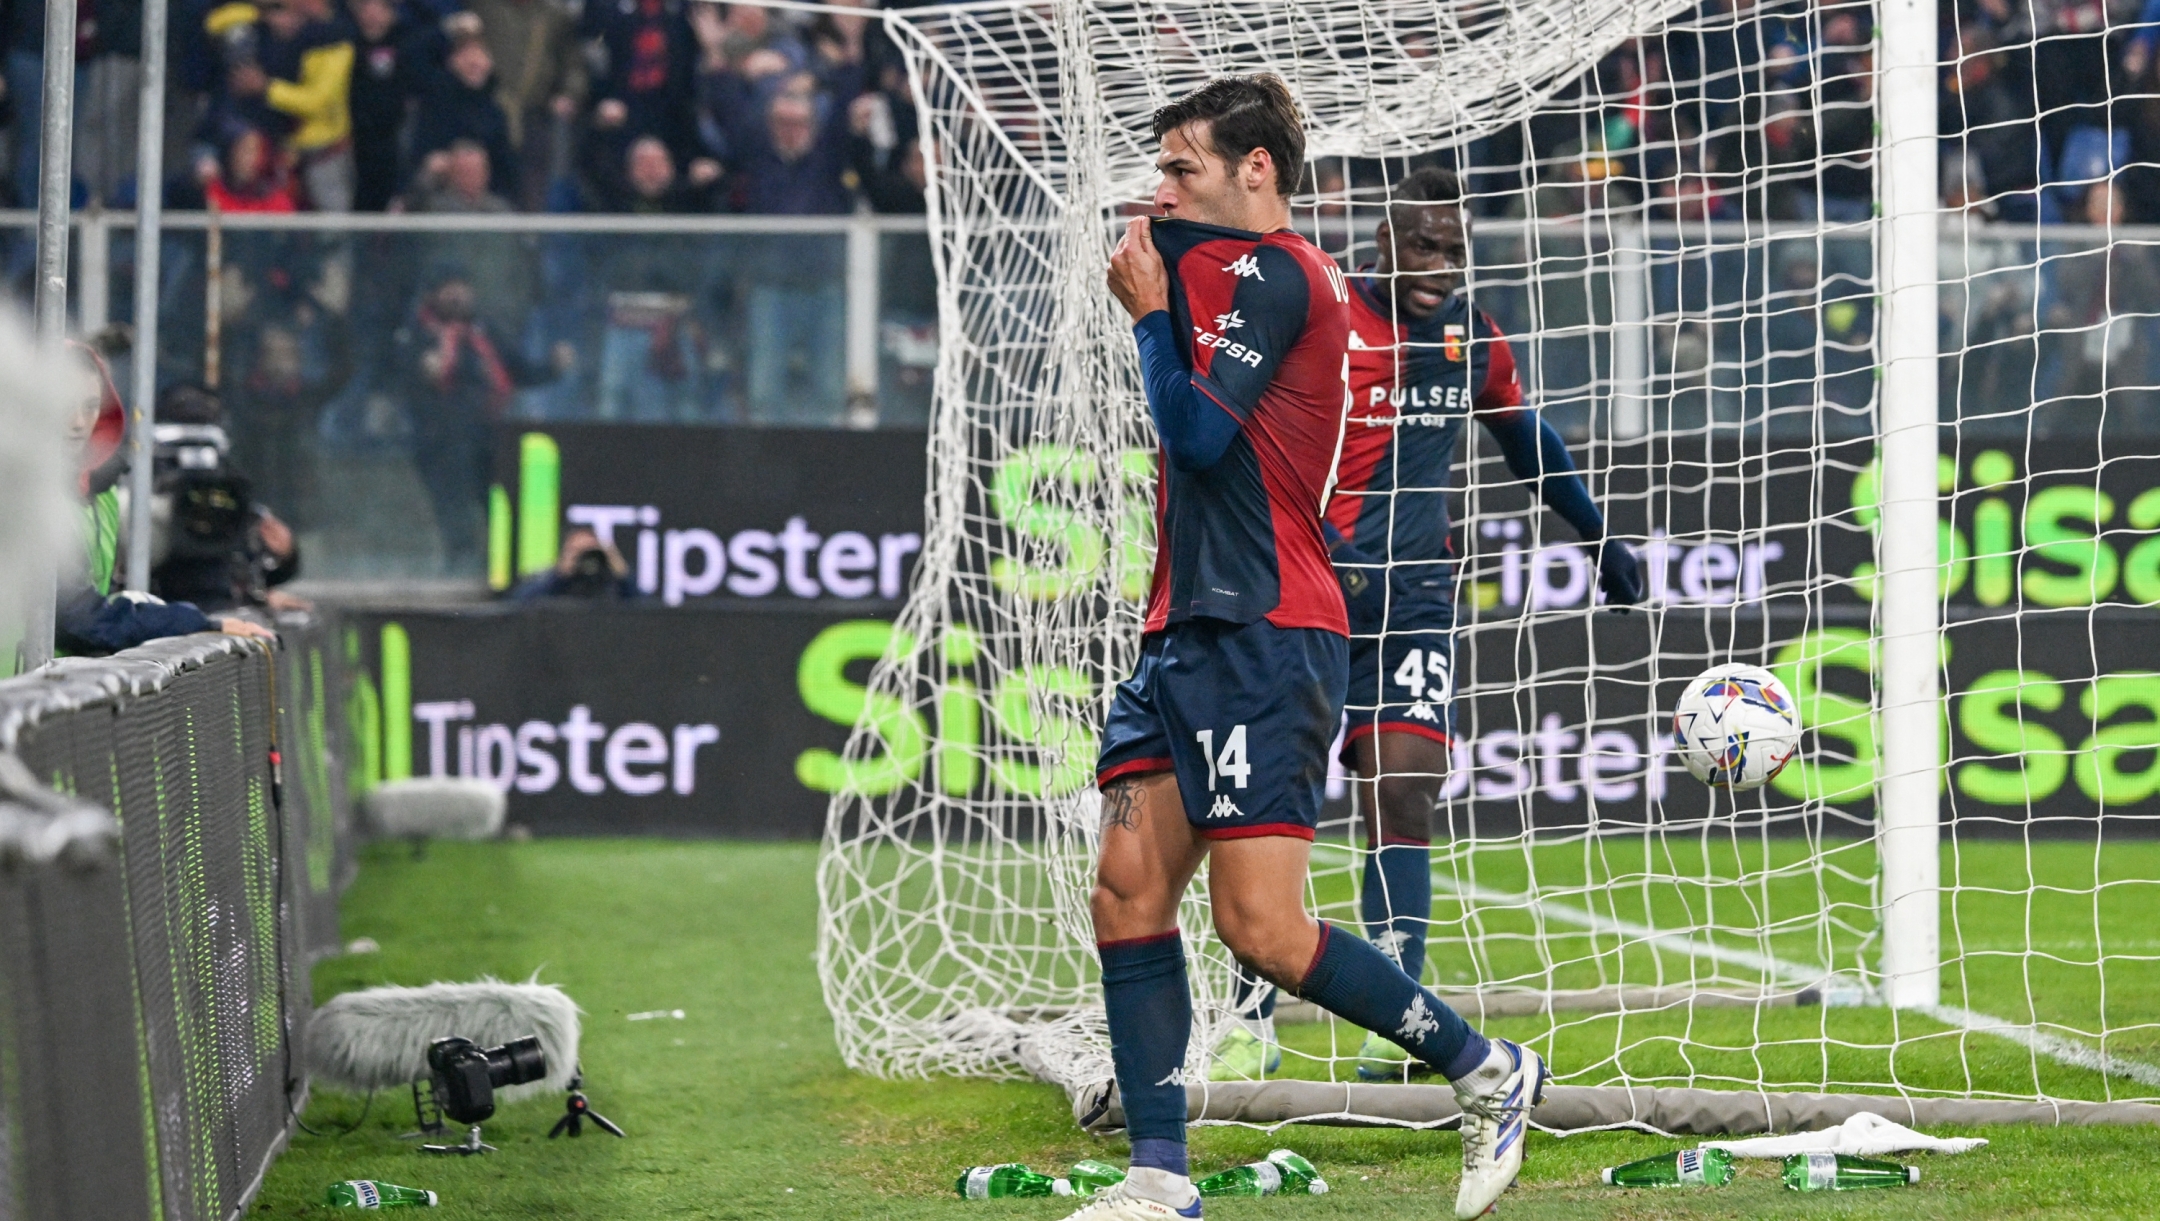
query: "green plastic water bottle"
1283, 1171
1090, 1176
1839, 1172
366, 1193
1687, 1168
1007, 1180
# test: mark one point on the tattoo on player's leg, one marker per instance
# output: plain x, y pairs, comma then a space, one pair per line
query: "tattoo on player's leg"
1121, 805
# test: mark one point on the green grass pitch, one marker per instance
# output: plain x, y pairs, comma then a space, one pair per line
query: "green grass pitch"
743, 1110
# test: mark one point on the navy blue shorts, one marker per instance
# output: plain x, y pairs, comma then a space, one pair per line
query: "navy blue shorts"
1243, 713
1402, 665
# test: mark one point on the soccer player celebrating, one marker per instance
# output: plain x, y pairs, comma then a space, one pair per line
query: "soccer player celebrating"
1422, 360
1216, 747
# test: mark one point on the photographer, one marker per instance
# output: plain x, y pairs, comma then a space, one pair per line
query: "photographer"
213, 543
588, 568
456, 379
89, 617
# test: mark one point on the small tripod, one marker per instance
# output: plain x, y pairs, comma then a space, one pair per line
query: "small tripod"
578, 1110
428, 1117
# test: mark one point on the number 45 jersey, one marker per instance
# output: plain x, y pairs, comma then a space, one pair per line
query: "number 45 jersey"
1412, 384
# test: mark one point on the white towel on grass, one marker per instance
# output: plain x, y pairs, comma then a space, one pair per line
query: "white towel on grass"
1864, 1135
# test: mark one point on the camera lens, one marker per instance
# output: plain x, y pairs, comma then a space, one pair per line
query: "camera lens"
517, 1062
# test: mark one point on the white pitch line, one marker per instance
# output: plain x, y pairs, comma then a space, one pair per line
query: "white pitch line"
2054, 1047
1684, 943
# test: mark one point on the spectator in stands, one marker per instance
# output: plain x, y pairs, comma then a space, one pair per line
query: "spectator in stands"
792, 159
642, 84
249, 175
297, 83
387, 54
846, 49
107, 97
458, 102
455, 179
587, 568
91, 615
2139, 111
500, 264
886, 161
1986, 121
539, 83
1845, 140
645, 181
2074, 76
25, 28
455, 377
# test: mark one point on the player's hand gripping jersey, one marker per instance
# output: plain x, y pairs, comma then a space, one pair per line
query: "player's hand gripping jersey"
1259, 332
1241, 677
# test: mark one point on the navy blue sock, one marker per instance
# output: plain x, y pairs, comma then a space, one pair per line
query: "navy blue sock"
1256, 996
1397, 903
1353, 980
1150, 1013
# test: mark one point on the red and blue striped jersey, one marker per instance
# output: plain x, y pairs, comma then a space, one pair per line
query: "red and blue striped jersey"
1262, 325
1412, 384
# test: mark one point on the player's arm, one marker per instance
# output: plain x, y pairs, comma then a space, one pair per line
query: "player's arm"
1197, 415
1536, 454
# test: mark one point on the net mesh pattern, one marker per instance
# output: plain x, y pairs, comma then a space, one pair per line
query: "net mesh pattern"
1674, 224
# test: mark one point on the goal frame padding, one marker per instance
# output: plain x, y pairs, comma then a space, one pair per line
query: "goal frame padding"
1666, 1112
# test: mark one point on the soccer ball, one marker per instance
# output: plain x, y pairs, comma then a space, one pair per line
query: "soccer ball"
1736, 727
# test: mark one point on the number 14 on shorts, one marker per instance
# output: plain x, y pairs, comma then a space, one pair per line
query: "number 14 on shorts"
1231, 763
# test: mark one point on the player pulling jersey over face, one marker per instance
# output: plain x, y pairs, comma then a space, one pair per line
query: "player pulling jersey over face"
1257, 326
1216, 747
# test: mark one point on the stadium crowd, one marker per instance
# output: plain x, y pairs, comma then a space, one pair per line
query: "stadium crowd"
638, 106
418, 344
676, 106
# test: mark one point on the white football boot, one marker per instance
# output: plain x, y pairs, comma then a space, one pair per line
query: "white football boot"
1124, 1201
1496, 1099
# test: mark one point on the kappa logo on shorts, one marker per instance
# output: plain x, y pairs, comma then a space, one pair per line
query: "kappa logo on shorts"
1423, 711
1225, 808
1246, 267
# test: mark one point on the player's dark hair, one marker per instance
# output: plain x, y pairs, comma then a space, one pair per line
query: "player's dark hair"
1244, 113
1431, 184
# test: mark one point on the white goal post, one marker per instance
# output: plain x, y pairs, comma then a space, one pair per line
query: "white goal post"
1746, 356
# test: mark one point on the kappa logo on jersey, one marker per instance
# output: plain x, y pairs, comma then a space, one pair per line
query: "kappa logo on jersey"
1229, 321
1451, 341
1357, 342
1246, 267
1225, 808
1235, 351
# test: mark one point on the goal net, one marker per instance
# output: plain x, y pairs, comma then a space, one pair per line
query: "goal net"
1875, 410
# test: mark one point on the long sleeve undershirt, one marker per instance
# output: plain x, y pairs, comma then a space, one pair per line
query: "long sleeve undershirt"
1195, 431
1537, 455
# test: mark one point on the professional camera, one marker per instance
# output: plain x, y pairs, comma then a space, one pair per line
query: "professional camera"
466, 1075
590, 576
